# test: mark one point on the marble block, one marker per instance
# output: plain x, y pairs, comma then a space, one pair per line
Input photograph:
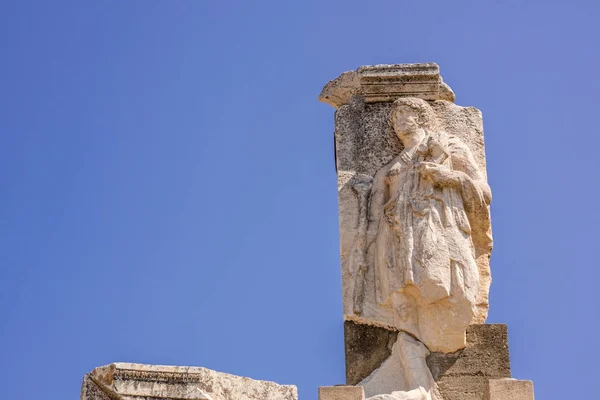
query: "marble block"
462, 375
126, 381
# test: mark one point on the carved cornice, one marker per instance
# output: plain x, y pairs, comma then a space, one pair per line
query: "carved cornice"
386, 83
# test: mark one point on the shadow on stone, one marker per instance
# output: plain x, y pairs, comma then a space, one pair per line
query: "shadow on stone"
366, 347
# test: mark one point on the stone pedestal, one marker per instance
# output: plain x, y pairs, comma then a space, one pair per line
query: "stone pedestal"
462, 375
125, 381
508, 389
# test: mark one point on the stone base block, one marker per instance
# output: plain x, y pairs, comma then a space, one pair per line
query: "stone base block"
366, 347
508, 389
124, 381
464, 375
341, 393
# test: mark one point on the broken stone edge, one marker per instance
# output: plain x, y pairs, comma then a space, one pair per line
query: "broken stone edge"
508, 388
125, 381
386, 83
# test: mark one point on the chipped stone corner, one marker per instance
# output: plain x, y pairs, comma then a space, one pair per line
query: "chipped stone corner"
90, 390
386, 83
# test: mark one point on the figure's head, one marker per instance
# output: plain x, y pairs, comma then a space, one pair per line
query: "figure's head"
409, 115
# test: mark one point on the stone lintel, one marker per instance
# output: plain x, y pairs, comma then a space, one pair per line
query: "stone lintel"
341, 392
387, 82
126, 381
509, 389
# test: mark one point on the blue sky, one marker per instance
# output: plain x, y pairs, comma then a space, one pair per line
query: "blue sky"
169, 192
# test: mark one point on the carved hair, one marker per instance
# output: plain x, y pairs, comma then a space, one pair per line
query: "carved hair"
425, 114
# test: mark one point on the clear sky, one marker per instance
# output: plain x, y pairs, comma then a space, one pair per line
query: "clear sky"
169, 193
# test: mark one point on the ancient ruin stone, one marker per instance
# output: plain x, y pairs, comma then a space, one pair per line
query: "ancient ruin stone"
415, 232
125, 381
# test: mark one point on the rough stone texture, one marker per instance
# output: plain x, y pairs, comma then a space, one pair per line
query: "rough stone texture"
341, 393
415, 231
366, 347
124, 381
405, 368
91, 391
365, 143
508, 389
463, 375
387, 82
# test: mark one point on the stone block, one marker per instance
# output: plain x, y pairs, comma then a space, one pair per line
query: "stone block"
464, 375
341, 393
125, 381
508, 389
461, 375
366, 348
387, 82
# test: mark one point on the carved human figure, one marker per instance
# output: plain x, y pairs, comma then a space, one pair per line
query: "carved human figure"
419, 211
424, 206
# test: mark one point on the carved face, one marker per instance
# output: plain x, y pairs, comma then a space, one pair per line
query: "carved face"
405, 121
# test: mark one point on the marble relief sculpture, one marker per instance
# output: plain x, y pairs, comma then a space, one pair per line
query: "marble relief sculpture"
415, 246
422, 207
414, 223
419, 234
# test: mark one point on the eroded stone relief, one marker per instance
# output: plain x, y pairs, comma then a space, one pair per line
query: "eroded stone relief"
414, 218
415, 242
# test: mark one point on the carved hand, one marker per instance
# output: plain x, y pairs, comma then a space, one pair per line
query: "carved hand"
439, 174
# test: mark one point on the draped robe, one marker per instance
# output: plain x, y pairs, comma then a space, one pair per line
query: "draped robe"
421, 234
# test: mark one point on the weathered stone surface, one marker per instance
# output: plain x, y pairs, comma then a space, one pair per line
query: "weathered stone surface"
125, 381
459, 375
341, 393
405, 368
463, 375
415, 229
365, 143
366, 348
387, 82
91, 391
509, 389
